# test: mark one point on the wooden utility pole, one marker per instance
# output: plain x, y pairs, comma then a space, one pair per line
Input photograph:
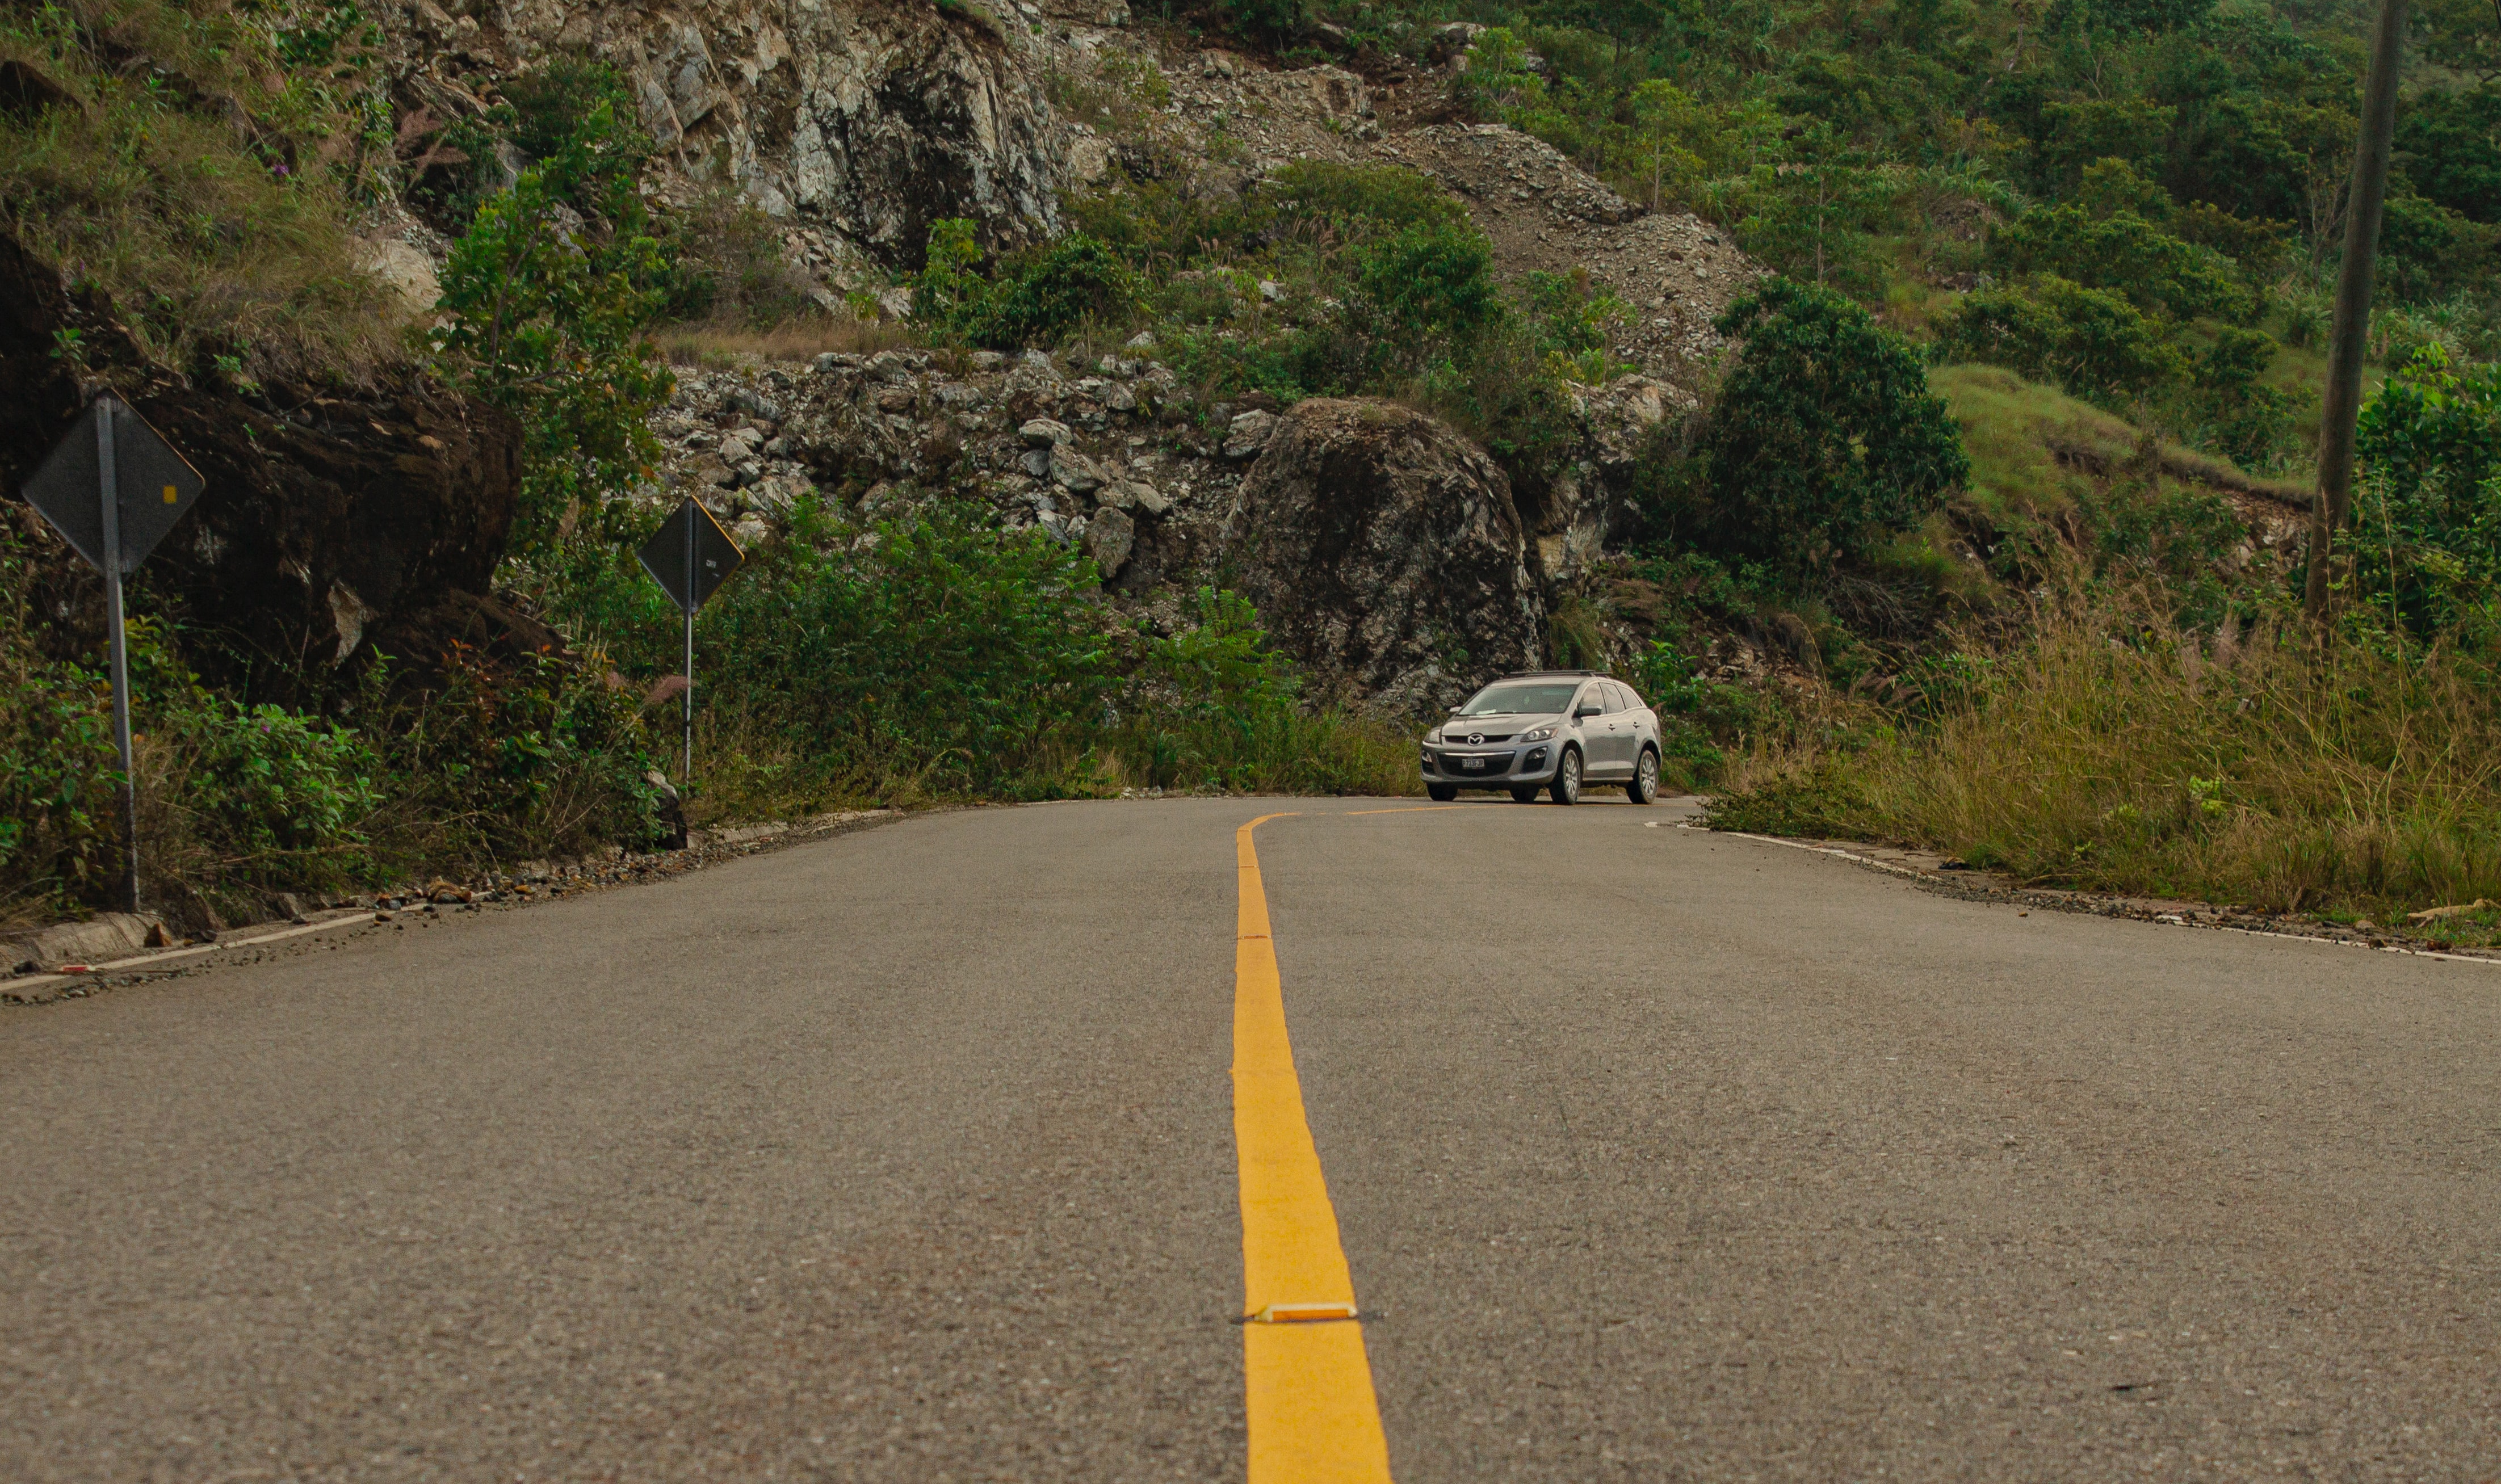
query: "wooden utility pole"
2364, 205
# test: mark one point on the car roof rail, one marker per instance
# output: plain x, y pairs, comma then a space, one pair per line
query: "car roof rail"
1531, 675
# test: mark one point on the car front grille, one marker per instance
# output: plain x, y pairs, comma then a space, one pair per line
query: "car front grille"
1460, 764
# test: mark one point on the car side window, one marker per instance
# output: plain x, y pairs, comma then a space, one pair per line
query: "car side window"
1619, 699
1595, 694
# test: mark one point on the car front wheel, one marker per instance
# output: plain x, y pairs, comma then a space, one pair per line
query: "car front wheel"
1441, 793
1567, 777
1645, 785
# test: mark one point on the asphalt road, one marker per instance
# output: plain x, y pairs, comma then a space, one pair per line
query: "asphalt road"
910, 1155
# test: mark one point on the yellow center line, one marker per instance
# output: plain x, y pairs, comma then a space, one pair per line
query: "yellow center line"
1307, 1385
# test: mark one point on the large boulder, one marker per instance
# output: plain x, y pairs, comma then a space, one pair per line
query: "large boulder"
1386, 555
335, 520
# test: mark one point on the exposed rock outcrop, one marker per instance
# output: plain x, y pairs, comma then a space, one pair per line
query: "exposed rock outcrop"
334, 519
1384, 551
864, 122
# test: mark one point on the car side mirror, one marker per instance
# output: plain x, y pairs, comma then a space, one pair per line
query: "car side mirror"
1588, 711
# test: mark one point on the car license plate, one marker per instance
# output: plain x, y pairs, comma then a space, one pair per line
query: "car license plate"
1478, 763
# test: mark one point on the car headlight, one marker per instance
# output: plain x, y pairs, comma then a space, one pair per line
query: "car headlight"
1434, 736
1540, 734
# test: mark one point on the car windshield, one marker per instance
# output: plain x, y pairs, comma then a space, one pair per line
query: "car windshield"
1527, 698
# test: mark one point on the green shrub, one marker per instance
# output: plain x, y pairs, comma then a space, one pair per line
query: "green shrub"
546, 321
1036, 298
937, 649
1825, 439
2427, 537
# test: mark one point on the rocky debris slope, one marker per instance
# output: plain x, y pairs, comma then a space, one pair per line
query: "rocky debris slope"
1673, 272
1166, 493
1235, 118
1384, 552
334, 519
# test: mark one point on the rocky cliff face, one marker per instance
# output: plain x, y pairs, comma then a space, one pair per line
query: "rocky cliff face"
855, 124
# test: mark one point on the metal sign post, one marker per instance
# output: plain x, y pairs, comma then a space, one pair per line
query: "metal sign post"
113, 488
691, 556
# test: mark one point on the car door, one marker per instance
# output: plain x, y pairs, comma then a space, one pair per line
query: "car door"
1605, 734
1623, 730
1640, 726
1592, 730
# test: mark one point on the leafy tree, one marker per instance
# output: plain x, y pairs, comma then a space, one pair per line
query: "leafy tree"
1810, 216
1825, 437
2448, 145
2074, 136
2092, 342
2427, 250
2125, 253
2246, 420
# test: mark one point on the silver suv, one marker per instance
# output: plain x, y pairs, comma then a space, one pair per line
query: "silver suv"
1549, 731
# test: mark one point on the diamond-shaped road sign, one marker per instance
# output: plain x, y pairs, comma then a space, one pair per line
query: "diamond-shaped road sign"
154, 485
714, 556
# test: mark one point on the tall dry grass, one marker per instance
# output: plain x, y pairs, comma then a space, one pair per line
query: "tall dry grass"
720, 344
2115, 751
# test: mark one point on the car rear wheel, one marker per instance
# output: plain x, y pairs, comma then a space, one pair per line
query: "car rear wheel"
1567, 777
1645, 785
1525, 794
1441, 793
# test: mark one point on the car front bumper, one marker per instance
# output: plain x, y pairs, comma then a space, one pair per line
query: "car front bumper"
1490, 766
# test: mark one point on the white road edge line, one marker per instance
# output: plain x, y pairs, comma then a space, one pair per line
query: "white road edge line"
1888, 867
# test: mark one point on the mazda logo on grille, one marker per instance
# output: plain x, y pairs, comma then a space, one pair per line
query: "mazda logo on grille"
1476, 739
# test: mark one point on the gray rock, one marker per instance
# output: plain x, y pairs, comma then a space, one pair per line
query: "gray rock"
1043, 432
1376, 543
1271, 290
1036, 462
1249, 433
1073, 472
756, 404
1109, 537
1133, 495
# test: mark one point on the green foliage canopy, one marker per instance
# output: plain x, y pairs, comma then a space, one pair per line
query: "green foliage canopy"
1825, 437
